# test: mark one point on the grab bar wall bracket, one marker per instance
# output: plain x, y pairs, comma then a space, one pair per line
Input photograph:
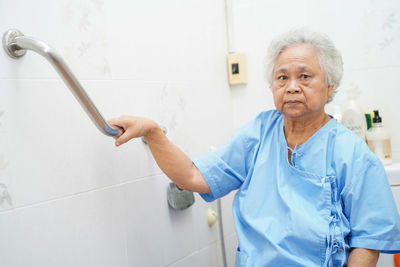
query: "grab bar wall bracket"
9, 44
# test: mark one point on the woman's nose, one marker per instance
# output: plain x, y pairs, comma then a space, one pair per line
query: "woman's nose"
292, 87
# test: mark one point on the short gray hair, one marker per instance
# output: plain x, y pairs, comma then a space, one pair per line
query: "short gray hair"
329, 57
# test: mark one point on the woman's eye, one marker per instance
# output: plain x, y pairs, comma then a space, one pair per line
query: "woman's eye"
282, 78
305, 76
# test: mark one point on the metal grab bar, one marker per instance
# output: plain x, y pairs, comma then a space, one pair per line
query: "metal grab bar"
15, 44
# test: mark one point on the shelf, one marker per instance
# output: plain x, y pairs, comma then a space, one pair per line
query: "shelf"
393, 173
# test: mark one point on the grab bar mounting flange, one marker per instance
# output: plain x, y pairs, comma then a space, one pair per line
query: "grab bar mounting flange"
9, 45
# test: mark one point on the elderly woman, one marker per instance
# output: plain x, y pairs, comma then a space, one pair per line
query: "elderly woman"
310, 192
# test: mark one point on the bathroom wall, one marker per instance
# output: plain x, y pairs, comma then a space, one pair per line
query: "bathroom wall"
75, 199
366, 32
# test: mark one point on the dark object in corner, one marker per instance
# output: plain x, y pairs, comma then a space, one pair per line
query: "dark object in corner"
178, 198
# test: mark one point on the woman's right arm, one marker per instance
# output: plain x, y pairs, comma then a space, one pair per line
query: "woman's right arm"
171, 160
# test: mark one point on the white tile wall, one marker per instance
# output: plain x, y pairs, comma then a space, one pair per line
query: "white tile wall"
79, 201
76, 199
79, 230
172, 234
209, 256
231, 248
8, 242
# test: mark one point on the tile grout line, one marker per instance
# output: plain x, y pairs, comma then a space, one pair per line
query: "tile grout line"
194, 252
181, 259
78, 194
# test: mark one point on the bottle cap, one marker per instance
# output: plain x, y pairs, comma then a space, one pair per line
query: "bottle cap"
377, 119
369, 121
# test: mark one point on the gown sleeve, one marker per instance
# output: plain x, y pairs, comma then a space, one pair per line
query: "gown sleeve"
225, 168
370, 207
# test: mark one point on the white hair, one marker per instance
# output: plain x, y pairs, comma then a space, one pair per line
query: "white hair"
329, 57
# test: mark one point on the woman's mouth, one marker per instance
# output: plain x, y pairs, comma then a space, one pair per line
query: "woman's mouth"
292, 103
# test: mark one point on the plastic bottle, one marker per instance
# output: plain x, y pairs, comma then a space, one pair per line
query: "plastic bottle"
352, 115
378, 139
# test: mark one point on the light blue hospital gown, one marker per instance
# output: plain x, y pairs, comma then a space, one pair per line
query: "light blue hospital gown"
334, 196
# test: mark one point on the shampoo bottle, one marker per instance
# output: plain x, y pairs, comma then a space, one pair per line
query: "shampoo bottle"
378, 139
352, 115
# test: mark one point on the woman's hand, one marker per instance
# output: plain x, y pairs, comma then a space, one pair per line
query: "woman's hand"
133, 127
171, 160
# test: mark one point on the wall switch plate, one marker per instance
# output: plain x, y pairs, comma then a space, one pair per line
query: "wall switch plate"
237, 70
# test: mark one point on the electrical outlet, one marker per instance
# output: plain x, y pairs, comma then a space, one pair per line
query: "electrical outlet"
237, 71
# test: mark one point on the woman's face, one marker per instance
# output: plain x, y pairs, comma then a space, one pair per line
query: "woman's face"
298, 84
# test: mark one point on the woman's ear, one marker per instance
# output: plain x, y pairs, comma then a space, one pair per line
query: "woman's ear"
330, 90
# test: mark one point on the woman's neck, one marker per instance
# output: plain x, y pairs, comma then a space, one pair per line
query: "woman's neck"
298, 131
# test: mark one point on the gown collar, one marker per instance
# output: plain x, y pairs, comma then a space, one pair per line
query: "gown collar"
298, 149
